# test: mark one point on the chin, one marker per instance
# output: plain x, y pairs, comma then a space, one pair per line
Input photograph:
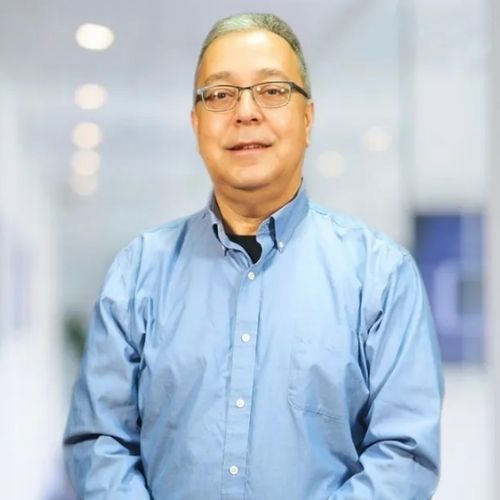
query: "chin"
250, 183
248, 187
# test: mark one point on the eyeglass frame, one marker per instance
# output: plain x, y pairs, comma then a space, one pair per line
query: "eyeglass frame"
293, 88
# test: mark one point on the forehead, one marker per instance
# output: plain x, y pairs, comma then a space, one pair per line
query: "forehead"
245, 56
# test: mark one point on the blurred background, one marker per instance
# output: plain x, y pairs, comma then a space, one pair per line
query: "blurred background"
96, 147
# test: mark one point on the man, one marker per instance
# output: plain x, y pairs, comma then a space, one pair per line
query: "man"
263, 348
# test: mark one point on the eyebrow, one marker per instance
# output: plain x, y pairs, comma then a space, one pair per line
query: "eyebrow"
221, 75
226, 75
273, 72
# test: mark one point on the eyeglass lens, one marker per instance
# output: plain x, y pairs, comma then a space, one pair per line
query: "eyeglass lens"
222, 97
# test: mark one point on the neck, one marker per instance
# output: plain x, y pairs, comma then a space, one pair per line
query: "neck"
243, 213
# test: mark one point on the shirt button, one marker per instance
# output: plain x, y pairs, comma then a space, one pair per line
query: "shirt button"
233, 470
240, 403
281, 245
251, 275
245, 337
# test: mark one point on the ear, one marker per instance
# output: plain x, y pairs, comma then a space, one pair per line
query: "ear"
308, 120
195, 124
194, 121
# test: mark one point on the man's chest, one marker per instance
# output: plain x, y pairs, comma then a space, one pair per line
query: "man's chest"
217, 334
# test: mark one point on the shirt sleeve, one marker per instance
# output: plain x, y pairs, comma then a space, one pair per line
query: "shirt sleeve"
400, 450
101, 441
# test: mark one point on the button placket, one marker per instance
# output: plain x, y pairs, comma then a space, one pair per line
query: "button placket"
242, 371
241, 388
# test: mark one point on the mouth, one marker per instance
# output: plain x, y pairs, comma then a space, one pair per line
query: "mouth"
249, 146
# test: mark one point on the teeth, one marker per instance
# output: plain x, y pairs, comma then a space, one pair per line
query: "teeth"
252, 146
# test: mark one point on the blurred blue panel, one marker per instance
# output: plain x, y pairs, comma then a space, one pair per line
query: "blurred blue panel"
438, 237
449, 252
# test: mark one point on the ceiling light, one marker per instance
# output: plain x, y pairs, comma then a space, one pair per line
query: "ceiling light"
90, 96
377, 139
87, 135
84, 185
85, 162
331, 164
94, 36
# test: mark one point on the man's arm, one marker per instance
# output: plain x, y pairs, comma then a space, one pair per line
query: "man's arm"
400, 450
101, 442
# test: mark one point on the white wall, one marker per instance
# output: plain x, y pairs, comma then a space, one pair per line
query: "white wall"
493, 234
30, 336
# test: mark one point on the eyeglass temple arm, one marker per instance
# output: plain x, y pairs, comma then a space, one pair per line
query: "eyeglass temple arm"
300, 90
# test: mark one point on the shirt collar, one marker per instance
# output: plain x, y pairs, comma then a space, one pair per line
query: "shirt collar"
280, 225
288, 217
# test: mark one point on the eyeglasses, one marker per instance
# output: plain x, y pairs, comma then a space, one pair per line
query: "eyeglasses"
266, 95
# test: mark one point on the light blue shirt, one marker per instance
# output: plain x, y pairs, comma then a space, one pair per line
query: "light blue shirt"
313, 374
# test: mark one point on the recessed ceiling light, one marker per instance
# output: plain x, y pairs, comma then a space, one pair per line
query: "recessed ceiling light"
84, 185
85, 162
331, 164
87, 135
90, 96
377, 139
94, 36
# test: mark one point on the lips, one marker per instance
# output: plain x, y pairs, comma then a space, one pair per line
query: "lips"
248, 146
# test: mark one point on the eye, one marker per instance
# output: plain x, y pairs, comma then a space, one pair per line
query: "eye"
272, 90
219, 94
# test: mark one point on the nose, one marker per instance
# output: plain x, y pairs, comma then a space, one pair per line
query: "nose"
246, 109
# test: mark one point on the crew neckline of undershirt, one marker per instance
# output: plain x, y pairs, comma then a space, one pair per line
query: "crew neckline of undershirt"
249, 243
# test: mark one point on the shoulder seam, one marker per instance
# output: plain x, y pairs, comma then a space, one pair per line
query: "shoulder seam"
360, 226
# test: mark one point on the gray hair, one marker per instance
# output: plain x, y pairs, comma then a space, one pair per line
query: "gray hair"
252, 21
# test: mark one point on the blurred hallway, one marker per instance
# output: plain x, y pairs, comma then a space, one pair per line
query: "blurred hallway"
96, 147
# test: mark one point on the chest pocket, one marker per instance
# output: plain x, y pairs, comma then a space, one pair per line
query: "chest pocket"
324, 375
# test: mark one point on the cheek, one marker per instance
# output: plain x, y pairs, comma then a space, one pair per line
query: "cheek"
211, 130
289, 125
291, 132
282, 124
210, 140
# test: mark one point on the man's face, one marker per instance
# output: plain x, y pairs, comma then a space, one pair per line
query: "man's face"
282, 134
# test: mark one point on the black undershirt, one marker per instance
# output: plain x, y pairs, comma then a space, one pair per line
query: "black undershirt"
249, 243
